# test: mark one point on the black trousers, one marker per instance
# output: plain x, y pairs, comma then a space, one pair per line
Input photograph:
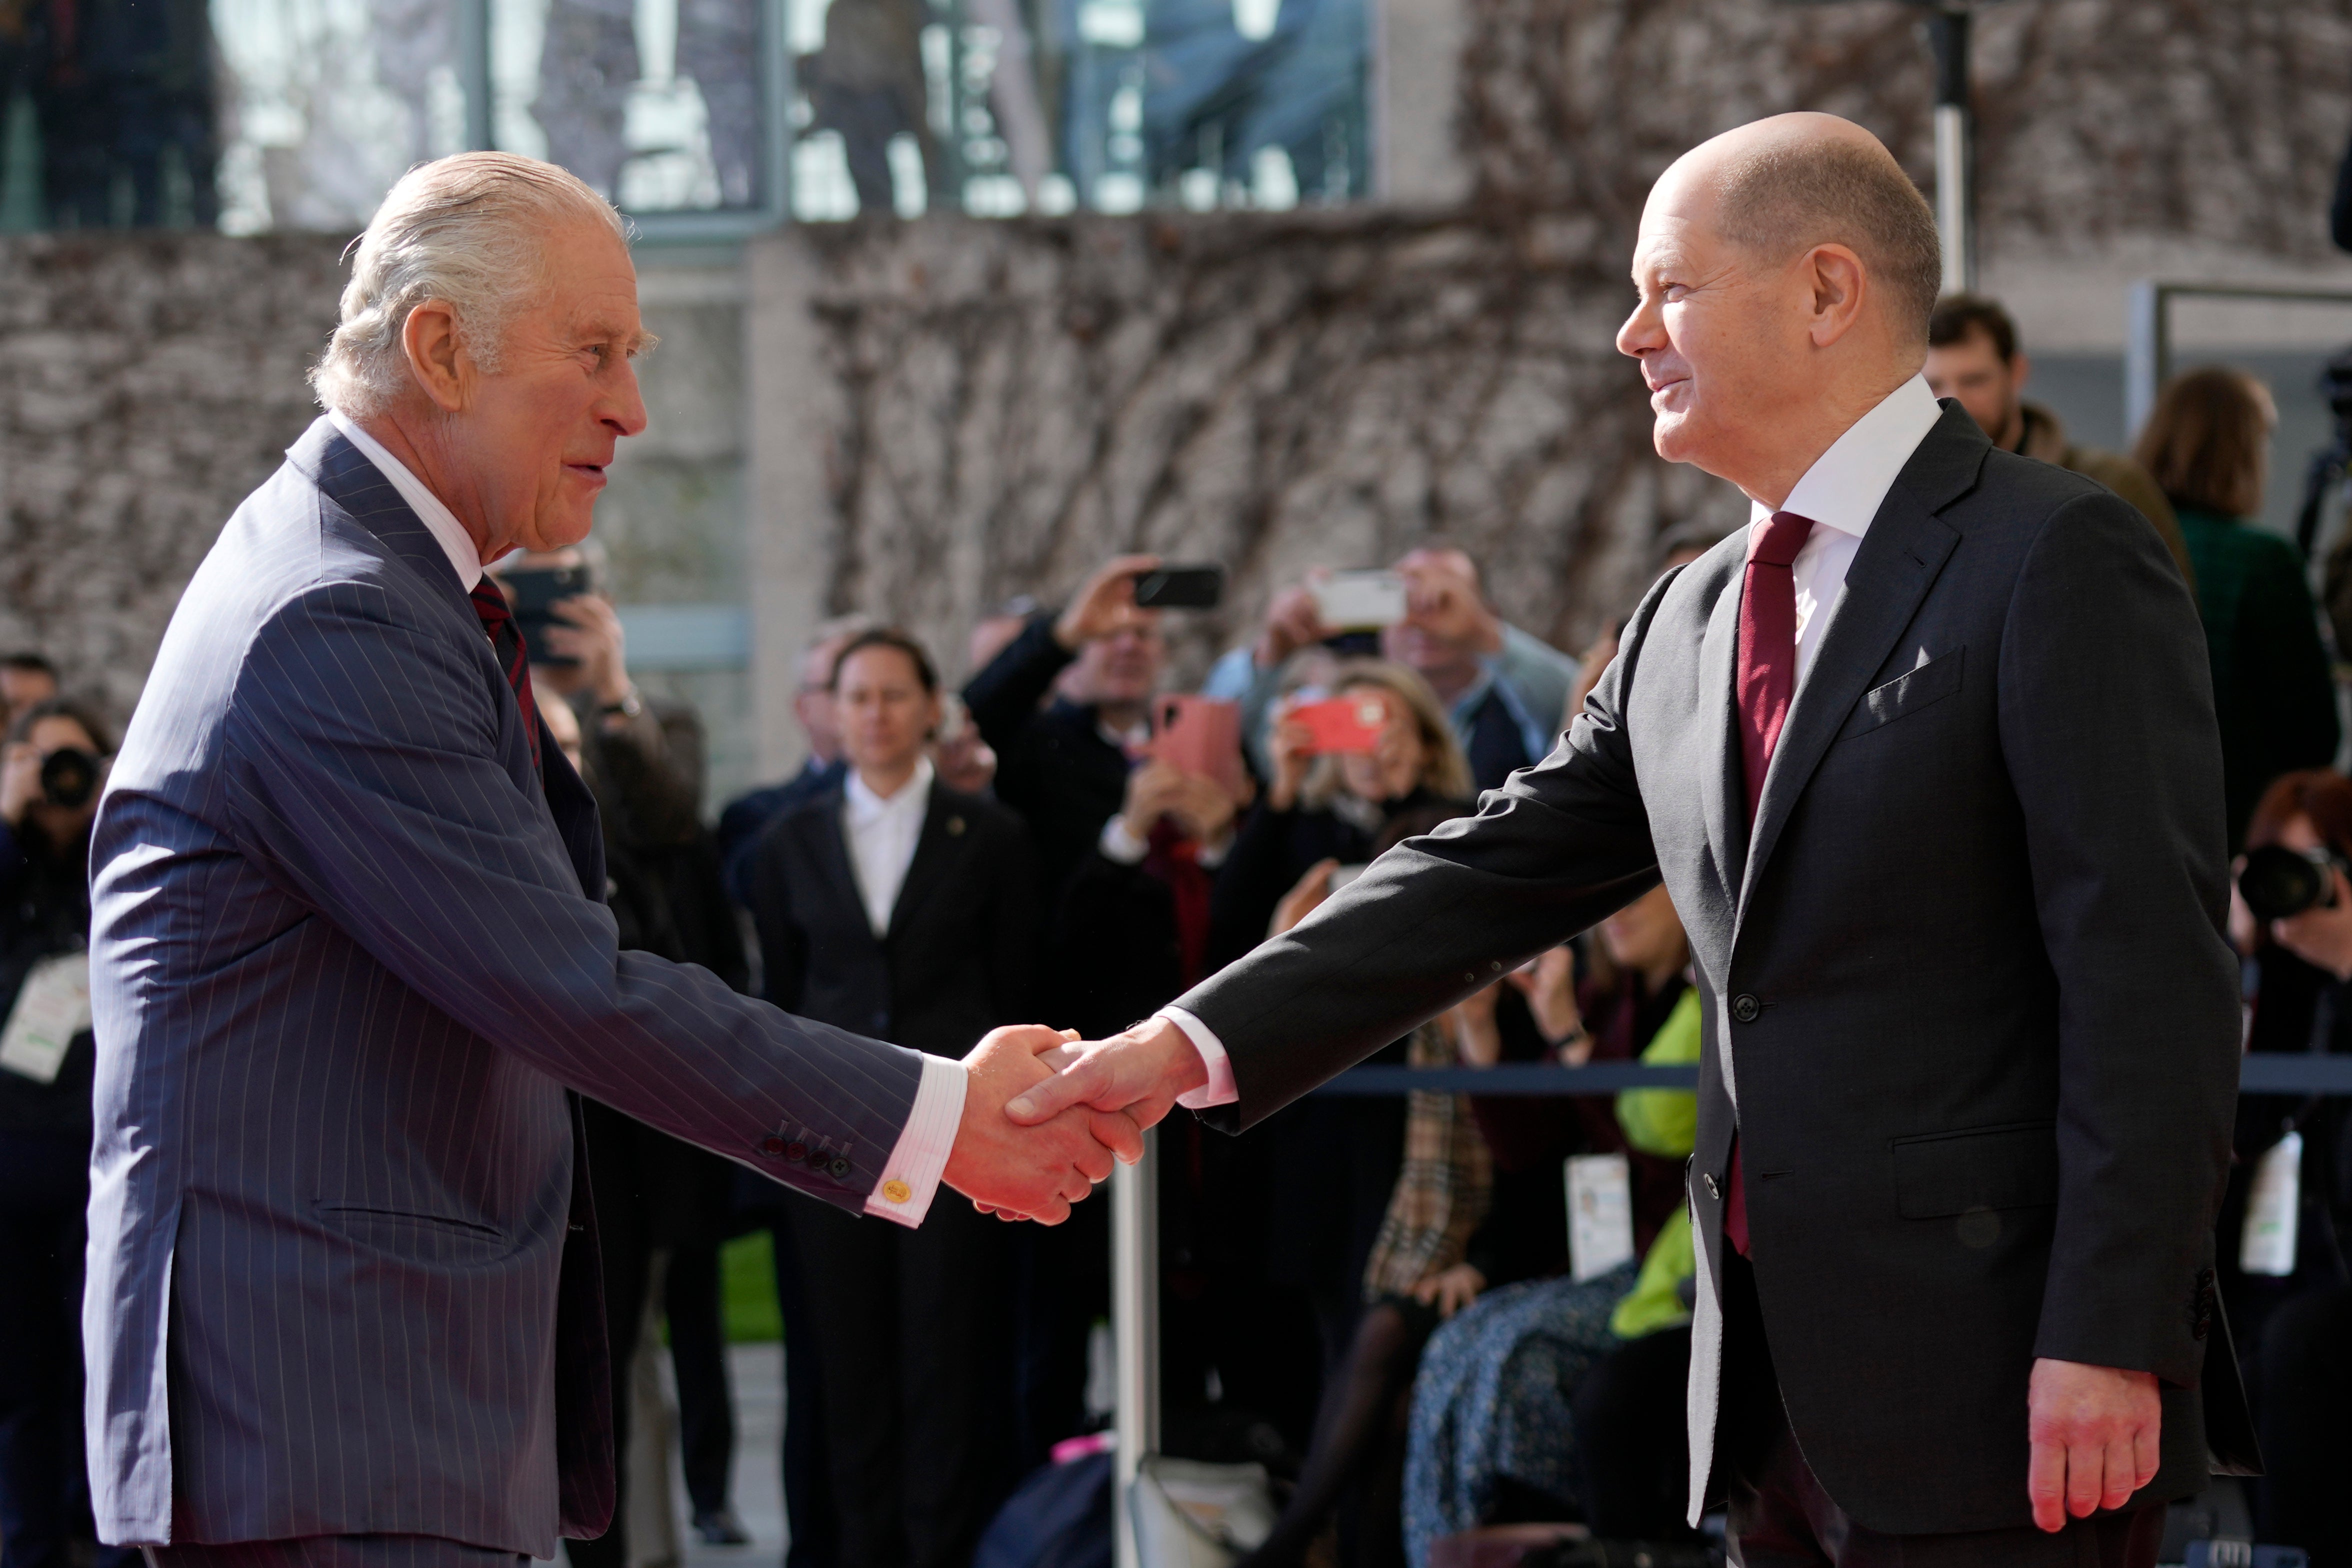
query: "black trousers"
1782, 1516
624, 1242
2303, 1386
914, 1330
44, 1491
698, 1355
1632, 1447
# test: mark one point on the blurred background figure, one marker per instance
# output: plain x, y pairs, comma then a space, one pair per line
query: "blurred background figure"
50, 770
867, 83
747, 816
2208, 445
1973, 355
26, 678
907, 911
719, 47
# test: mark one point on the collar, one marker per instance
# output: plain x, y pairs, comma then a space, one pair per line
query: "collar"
865, 806
437, 519
1846, 485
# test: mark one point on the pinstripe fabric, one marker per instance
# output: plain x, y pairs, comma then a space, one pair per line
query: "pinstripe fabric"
343, 975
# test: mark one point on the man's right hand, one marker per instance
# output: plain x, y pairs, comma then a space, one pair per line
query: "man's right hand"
1139, 1073
1038, 1168
1105, 604
20, 782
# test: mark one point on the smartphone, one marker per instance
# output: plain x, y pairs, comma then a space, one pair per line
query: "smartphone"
1359, 601
1350, 724
535, 591
1200, 736
1181, 587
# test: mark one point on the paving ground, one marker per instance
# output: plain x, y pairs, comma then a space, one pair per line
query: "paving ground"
757, 1375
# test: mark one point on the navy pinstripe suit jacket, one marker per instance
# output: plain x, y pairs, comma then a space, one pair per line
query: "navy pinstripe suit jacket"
342, 1265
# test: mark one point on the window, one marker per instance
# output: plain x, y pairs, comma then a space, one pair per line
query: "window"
699, 117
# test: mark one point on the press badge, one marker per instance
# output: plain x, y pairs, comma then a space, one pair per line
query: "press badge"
51, 1009
2274, 1203
1599, 1214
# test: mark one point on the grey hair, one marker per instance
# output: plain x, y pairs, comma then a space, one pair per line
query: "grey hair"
1788, 196
468, 229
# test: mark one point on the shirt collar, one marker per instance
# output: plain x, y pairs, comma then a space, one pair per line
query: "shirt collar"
438, 520
865, 806
1846, 485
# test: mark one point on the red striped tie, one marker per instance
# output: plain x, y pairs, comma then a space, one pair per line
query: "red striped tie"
506, 638
1764, 687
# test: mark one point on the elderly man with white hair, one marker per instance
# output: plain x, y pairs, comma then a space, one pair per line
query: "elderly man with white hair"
351, 968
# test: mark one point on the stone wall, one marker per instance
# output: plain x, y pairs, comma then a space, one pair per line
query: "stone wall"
149, 384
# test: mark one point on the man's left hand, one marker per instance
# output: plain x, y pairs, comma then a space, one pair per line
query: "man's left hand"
588, 629
2094, 1431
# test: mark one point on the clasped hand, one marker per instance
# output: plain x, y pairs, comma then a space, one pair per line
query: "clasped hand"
1044, 1113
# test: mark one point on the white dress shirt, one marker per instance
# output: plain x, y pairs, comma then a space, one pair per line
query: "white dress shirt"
437, 519
1841, 493
881, 831
910, 1178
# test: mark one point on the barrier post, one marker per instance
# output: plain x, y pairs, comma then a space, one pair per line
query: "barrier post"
1135, 1331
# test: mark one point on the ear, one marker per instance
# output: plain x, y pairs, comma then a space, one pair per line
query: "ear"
1839, 284
437, 361
2020, 368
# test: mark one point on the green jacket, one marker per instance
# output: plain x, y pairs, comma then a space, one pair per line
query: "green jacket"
2273, 691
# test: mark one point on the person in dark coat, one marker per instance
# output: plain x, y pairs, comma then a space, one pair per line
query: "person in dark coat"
1063, 763
907, 911
44, 1131
2274, 691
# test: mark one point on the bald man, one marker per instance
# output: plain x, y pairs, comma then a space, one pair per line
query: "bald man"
1927, 757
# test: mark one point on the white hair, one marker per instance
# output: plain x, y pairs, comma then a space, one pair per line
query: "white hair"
468, 229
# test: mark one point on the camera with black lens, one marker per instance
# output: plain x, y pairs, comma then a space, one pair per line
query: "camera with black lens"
69, 777
2277, 882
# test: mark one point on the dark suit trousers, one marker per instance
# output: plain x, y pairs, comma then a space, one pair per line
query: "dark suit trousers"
336, 1551
624, 1243
911, 1325
1783, 1518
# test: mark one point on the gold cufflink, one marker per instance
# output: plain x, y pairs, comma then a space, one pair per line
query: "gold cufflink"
897, 1191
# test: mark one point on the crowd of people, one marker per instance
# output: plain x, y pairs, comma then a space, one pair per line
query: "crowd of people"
1383, 1298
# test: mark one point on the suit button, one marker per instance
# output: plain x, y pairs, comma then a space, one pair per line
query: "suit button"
840, 1169
772, 1146
1714, 1190
792, 1150
1746, 1008
817, 1159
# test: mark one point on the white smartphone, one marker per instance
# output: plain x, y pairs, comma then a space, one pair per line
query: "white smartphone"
1359, 601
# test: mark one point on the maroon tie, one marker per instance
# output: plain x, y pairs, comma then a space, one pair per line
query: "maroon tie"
1765, 685
505, 640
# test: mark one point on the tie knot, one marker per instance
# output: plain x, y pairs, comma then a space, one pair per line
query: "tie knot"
490, 605
1779, 537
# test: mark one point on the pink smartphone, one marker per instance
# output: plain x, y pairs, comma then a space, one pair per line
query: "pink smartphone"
1201, 736
1343, 723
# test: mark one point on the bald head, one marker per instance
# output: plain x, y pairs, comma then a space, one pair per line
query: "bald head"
1779, 186
1787, 270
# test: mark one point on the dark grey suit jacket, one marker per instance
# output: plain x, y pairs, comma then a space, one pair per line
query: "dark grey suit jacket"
349, 959
1967, 997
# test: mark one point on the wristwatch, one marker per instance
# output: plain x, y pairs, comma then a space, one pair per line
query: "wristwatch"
628, 707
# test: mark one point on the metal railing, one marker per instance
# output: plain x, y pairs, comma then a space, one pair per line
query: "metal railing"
1135, 1214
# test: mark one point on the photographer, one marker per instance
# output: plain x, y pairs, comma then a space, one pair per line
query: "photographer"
49, 794
2290, 913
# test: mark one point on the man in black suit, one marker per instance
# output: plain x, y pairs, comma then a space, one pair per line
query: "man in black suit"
1927, 757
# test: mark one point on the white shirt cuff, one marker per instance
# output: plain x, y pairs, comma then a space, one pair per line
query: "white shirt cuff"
1220, 1090
1120, 846
904, 1194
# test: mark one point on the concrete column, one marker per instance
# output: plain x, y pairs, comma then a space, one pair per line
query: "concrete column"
1416, 67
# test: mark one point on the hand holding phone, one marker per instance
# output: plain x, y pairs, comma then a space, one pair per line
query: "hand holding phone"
1359, 601
1200, 736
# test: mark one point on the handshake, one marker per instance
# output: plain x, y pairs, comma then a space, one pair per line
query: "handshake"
1046, 1114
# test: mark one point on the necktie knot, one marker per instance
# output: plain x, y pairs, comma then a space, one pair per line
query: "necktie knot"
505, 642
490, 605
1779, 537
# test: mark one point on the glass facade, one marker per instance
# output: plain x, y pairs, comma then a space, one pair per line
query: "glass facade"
708, 116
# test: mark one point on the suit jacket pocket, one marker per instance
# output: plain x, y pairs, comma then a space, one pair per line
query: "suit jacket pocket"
1906, 694
1938, 1175
405, 1231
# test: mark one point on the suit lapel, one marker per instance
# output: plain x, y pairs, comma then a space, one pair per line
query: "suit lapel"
1900, 558
1721, 798
826, 836
938, 848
